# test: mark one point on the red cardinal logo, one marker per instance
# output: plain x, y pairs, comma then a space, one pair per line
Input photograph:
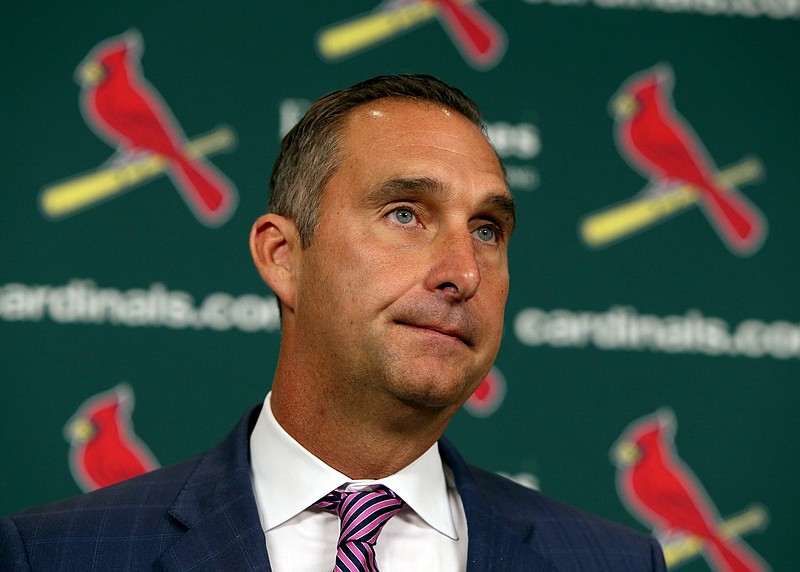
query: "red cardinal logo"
126, 111
103, 447
488, 396
661, 145
663, 493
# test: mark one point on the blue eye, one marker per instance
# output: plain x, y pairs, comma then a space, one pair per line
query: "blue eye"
486, 234
402, 215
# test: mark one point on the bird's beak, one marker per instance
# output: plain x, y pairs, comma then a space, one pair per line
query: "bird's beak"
626, 454
90, 73
624, 106
80, 430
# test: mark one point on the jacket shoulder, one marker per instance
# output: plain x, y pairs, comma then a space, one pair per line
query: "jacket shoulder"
130, 525
566, 534
154, 490
127, 513
517, 501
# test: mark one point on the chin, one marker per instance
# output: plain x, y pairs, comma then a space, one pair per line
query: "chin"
430, 400
434, 393
430, 380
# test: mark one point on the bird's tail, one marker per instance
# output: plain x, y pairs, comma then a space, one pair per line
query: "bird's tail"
208, 192
733, 555
738, 222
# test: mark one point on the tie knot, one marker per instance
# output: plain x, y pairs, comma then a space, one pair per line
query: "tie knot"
362, 515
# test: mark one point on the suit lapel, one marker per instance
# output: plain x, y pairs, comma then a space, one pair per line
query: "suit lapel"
223, 530
494, 543
218, 509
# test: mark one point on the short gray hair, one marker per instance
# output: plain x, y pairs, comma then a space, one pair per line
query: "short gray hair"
309, 155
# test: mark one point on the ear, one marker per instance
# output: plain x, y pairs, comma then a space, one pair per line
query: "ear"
275, 244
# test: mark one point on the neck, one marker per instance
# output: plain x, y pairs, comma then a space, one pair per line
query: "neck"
362, 436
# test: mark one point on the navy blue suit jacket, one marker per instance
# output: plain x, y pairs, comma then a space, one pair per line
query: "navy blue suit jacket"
201, 514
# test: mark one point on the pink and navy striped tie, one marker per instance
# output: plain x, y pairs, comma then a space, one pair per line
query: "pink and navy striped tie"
362, 515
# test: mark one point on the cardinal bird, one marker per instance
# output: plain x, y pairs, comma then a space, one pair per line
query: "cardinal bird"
103, 447
664, 494
660, 144
126, 111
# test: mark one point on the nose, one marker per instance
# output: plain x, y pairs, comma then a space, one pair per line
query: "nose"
455, 271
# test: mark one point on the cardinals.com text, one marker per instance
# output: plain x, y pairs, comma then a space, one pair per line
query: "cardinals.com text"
623, 328
83, 302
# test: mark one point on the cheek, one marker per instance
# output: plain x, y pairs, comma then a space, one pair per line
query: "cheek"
352, 280
495, 283
493, 303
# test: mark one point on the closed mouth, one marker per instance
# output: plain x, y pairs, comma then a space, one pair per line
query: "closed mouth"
441, 330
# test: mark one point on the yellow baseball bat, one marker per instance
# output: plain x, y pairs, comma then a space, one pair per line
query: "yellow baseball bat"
679, 551
345, 38
602, 228
68, 197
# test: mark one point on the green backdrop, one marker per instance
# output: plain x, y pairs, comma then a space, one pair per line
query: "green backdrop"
665, 317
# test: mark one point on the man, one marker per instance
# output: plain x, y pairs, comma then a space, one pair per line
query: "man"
386, 245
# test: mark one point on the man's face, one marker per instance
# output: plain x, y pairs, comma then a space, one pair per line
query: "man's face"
403, 288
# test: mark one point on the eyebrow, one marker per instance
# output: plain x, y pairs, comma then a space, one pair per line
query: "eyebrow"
400, 187
501, 204
504, 204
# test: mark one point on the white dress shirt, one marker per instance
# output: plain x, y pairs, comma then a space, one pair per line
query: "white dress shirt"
430, 533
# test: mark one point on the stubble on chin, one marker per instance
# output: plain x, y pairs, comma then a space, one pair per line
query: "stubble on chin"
424, 384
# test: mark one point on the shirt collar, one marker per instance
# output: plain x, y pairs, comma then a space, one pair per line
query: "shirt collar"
287, 479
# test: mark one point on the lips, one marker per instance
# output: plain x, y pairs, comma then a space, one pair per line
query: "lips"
446, 330
451, 321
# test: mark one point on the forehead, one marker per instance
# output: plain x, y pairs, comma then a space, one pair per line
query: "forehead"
402, 120
394, 137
